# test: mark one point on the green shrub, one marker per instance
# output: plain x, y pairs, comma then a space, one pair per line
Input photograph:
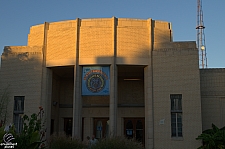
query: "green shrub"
118, 143
33, 132
61, 141
31, 136
213, 138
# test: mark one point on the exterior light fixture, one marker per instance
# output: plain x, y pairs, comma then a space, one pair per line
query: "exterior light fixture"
131, 79
202, 48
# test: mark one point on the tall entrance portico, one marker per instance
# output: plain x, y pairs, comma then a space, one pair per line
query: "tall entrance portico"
95, 117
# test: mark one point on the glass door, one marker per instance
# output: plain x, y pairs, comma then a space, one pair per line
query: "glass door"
101, 128
134, 128
68, 123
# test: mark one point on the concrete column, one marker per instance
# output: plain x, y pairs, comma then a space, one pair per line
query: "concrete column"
48, 98
149, 134
46, 84
77, 103
113, 102
113, 85
148, 89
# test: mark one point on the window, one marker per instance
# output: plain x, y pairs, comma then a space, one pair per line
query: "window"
18, 112
176, 115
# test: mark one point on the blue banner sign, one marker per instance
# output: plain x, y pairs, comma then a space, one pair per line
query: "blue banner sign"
95, 80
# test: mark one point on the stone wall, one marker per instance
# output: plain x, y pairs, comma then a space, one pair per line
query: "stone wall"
21, 70
213, 97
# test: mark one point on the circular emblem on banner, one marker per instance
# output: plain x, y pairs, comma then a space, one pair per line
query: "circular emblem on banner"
95, 82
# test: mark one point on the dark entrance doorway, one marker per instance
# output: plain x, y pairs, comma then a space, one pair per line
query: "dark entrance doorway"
68, 123
101, 127
134, 128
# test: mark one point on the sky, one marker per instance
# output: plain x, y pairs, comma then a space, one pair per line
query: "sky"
17, 16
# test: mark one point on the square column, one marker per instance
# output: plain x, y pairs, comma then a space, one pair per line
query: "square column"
113, 101
77, 99
149, 128
77, 104
113, 83
46, 88
46, 97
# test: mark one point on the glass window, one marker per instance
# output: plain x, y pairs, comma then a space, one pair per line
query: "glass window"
175, 102
18, 112
176, 115
129, 129
139, 131
19, 103
99, 130
18, 122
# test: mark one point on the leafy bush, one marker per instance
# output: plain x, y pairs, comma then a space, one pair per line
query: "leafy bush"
61, 141
118, 143
33, 132
212, 138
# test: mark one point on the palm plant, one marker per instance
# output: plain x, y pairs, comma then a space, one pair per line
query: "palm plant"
212, 138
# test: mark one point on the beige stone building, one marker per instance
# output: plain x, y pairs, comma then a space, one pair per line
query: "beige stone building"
114, 77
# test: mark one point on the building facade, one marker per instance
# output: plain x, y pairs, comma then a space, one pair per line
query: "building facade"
114, 77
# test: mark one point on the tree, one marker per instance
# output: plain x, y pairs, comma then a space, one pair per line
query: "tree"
212, 138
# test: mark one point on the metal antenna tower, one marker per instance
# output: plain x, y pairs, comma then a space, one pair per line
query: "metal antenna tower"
201, 36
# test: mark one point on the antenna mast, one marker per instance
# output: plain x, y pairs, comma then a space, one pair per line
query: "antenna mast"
201, 36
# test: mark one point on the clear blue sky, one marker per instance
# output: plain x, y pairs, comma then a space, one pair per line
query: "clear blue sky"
17, 16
